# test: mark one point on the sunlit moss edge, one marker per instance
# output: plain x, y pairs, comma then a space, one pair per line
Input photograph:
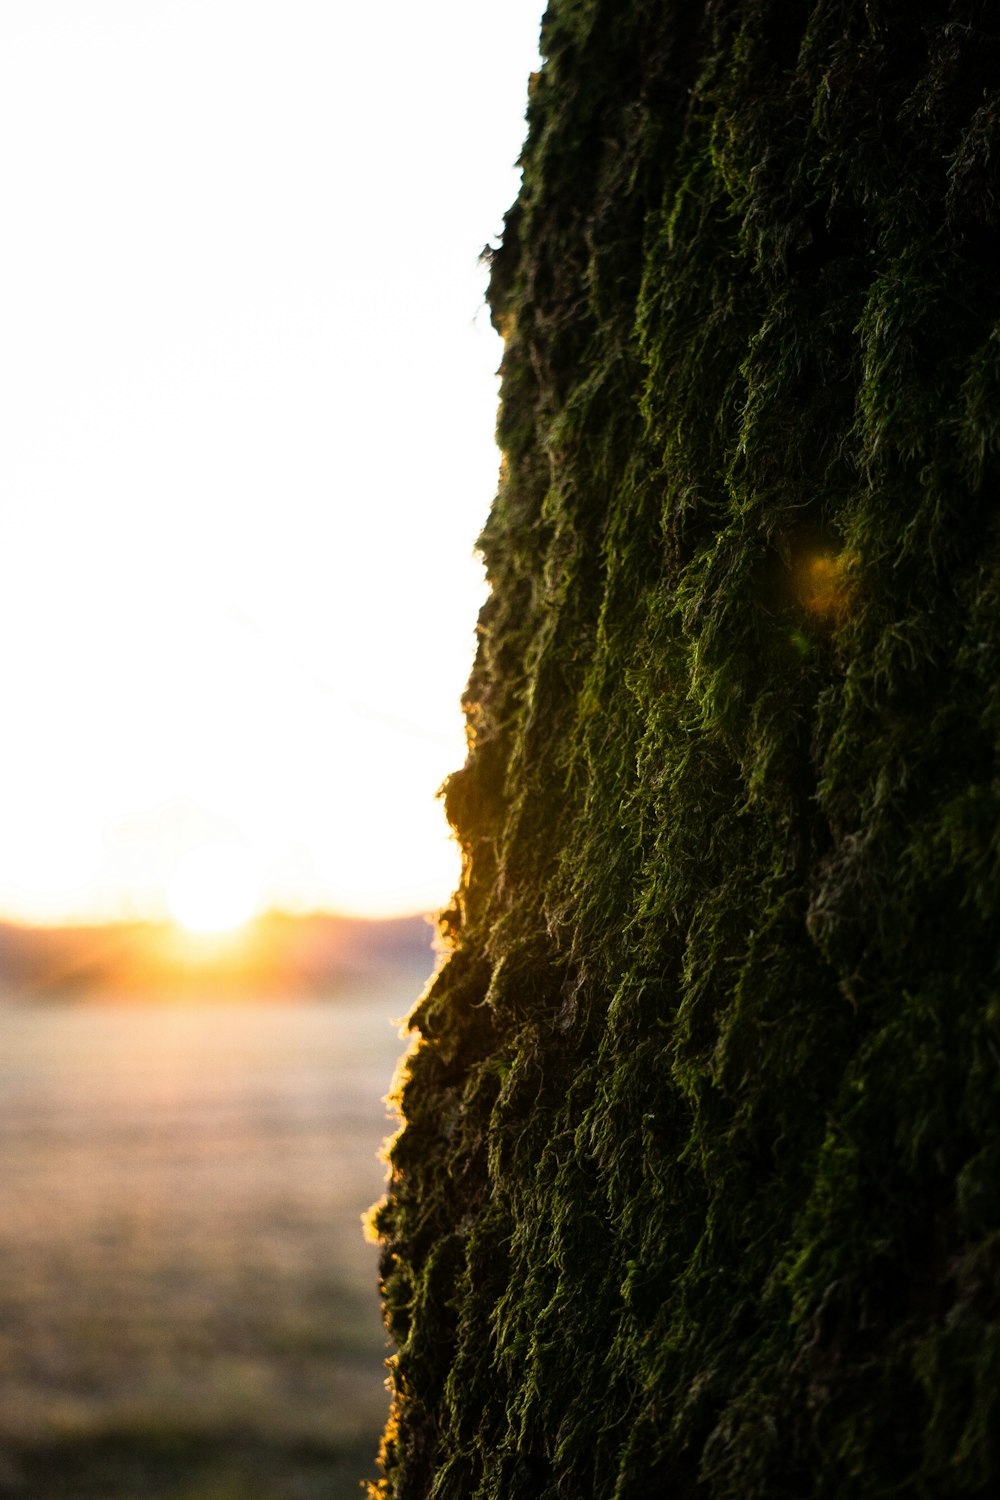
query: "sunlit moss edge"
699, 1187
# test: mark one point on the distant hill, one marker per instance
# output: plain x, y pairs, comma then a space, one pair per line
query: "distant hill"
294, 954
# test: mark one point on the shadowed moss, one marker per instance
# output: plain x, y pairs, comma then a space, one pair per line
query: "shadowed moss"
698, 1191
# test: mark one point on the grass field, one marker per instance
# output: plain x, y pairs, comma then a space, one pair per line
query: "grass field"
187, 1305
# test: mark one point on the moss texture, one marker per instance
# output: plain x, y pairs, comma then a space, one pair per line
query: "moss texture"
698, 1190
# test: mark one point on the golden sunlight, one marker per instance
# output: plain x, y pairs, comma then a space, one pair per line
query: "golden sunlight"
213, 889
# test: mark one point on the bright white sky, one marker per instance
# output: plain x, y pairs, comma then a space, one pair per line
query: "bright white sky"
247, 400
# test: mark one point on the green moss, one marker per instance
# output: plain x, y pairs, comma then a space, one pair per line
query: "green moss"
697, 1189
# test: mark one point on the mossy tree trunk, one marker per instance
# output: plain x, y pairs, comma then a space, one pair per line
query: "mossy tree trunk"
698, 1192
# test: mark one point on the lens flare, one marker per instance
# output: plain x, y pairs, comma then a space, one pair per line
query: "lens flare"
824, 585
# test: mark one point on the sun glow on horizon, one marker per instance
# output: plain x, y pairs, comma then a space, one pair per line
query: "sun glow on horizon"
213, 890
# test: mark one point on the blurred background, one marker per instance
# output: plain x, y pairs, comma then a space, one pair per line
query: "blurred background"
247, 398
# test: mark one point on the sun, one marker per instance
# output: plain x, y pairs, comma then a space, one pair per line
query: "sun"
213, 889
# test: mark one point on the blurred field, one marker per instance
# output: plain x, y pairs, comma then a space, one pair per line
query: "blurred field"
187, 1306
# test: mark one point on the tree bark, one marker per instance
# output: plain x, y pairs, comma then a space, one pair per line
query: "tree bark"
698, 1192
